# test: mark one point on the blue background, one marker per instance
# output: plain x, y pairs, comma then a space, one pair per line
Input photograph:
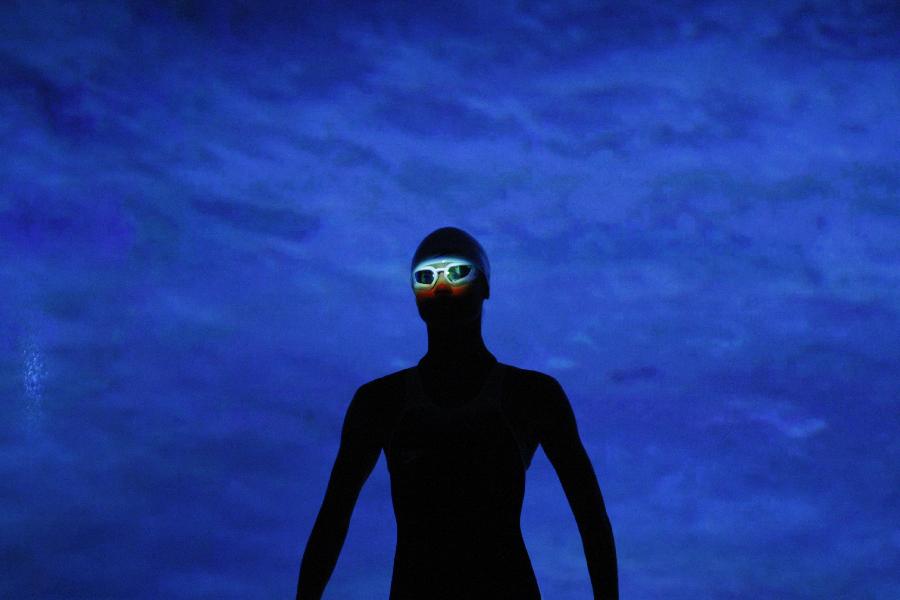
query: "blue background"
207, 214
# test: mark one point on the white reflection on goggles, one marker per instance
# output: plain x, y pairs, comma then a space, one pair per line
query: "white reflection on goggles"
433, 267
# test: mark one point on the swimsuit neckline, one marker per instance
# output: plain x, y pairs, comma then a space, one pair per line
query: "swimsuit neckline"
420, 388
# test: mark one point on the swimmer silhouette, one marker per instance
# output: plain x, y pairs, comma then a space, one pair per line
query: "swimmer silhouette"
458, 431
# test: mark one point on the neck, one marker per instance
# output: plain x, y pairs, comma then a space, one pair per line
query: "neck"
460, 344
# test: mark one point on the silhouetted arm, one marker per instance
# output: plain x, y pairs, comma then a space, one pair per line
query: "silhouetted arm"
563, 447
357, 456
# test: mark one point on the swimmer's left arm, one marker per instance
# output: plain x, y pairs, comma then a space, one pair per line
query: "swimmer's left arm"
562, 444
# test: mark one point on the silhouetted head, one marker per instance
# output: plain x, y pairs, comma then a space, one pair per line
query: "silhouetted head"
450, 276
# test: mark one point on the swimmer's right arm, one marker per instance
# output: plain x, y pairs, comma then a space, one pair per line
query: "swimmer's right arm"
358, 453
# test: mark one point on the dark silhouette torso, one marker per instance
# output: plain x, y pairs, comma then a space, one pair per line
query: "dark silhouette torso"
457, 469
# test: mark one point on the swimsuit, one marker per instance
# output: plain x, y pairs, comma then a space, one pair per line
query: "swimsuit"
457, 485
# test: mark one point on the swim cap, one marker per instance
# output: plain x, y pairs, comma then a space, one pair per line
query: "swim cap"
453, 241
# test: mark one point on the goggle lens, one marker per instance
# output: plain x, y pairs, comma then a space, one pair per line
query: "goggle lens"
458, 272
425, 277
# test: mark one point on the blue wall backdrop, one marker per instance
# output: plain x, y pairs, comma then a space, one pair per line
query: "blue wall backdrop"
207, 210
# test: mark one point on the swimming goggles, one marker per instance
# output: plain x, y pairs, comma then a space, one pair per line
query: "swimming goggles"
457, 272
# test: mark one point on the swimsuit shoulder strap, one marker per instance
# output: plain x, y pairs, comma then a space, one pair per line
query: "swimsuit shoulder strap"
496, 399
494, 385
414, 393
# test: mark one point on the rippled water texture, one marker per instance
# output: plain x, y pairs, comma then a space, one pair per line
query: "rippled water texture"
207, 212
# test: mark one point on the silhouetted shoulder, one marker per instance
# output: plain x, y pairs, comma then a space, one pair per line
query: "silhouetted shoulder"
533, 377
378, 402
537, 384
543, 399
386, 387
